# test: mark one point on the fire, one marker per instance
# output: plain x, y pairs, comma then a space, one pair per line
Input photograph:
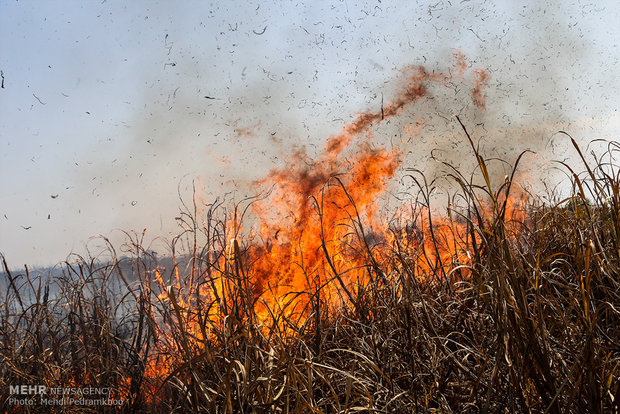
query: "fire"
319, 235
481, 81
319, 226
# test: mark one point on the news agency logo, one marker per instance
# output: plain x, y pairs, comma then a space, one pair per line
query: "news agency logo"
29, 395
27, 389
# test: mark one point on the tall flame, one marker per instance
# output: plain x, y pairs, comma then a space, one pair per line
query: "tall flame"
311, 225
318, 232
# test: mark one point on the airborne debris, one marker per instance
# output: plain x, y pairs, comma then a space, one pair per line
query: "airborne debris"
37, 98
169, 47
257, 33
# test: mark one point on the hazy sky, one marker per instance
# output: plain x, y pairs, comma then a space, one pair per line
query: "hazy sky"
109, 107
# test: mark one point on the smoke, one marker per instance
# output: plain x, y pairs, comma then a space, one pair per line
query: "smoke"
229, 93
233, 121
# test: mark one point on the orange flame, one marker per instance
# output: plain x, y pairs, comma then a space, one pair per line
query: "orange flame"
319, 230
